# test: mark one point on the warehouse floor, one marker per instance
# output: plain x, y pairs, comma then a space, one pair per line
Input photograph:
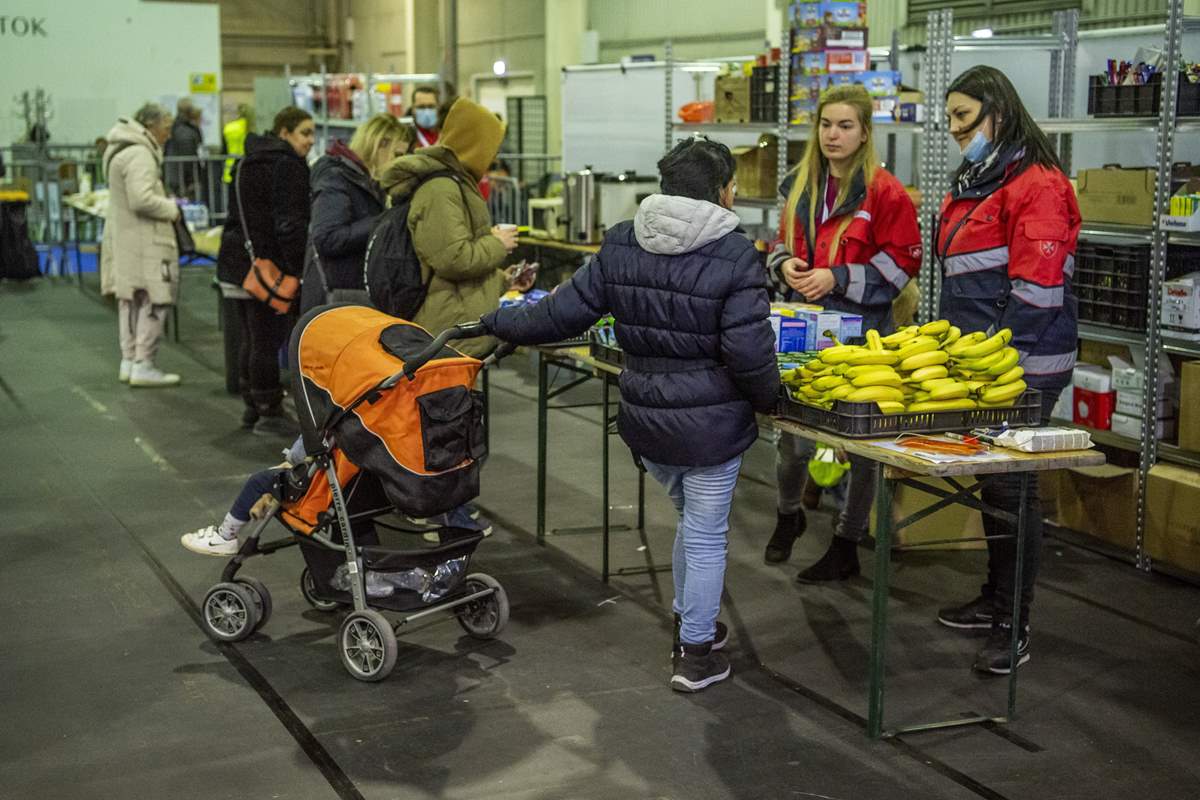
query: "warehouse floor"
109, 688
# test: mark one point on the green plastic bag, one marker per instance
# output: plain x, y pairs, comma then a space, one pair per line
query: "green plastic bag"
825, 468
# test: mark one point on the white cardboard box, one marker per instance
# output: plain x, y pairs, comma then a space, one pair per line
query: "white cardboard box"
1093, 378
1181, 302
1130, 403
1132, 427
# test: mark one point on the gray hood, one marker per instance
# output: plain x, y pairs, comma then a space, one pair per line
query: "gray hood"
671, 225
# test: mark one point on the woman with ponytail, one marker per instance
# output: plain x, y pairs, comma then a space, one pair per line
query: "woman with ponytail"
848, 241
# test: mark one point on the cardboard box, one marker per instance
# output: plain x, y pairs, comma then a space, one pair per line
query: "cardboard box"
758, 166
851, 327
828, 37
1092, 378
791, 334
810, 64
1130, 403
731, 98
1189, 406
1173, 516
1124, 196
1064, 409
1100, 501
952, 522
841, 61
1131, 426
1093, 409
1181, 303
910, 106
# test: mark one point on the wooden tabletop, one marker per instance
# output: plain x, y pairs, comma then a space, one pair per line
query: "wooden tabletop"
903, 465
555, 244
581, 355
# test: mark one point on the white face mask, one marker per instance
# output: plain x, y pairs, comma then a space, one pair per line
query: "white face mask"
976, 149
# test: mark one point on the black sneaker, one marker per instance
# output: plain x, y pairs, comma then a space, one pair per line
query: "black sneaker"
996, 656
839, 563
975, 615
697, 667
788, 528
275, 425
720, 639
249, 416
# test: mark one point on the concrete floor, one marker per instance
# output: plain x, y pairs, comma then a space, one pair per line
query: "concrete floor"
108, 687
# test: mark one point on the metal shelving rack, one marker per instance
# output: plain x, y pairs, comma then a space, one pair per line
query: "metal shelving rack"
1062, 43
321, 80
781, 127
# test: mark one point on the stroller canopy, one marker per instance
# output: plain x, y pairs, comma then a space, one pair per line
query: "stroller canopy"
423, 438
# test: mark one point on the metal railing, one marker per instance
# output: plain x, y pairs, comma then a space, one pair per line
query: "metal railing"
529, 176
50, 174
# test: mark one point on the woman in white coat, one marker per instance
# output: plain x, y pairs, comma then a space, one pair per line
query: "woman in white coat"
140, 262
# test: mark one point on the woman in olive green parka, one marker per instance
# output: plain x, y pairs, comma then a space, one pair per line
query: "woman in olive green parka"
461, 253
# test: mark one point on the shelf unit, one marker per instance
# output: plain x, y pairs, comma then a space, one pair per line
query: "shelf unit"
781, 127
321, 79
1153, 342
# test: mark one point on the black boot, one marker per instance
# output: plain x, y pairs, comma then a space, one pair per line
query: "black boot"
698, 666
788, 528
839, 562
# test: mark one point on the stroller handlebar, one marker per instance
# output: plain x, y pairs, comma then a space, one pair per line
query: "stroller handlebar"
464, 330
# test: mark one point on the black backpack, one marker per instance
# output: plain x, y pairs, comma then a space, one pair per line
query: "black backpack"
391, 269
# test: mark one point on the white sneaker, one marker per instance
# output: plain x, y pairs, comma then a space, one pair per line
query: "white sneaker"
123, 373
146, 374
209, 542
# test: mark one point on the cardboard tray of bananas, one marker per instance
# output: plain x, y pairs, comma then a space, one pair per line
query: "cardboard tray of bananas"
602, 345
922, 379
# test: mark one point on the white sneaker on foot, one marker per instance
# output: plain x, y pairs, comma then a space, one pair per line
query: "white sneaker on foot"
146, 374
209, 542
123, 372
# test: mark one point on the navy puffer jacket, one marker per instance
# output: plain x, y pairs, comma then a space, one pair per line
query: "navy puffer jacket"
689, 294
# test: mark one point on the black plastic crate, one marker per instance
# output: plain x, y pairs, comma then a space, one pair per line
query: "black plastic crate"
866, 421
764, 94
606, 353
1139, 101
1111, 282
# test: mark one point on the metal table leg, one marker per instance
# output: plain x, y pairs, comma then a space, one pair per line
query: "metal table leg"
604, 491
542, 402
883, 559
1022, 524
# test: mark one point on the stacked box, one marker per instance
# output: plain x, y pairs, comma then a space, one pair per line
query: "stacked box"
828, 40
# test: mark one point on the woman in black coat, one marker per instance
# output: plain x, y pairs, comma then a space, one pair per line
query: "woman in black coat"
346, 204
273, 181
689, 294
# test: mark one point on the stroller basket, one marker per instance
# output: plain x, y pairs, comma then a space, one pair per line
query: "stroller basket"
457, 543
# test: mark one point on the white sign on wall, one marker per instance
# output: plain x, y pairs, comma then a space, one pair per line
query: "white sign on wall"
98, 61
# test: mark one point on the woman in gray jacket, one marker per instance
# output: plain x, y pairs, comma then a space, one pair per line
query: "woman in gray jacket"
140, 262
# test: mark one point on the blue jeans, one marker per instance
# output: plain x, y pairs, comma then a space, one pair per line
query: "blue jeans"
702, 496
256, 486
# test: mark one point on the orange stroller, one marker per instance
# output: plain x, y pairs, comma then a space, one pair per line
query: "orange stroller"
391, 422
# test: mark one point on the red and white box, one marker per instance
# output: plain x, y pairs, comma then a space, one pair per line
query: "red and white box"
847, 61
1093, 397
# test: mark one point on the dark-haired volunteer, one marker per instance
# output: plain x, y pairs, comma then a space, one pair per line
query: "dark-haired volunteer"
690, 299
1006, 245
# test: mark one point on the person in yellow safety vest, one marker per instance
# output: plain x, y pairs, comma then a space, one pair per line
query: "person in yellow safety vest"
235, 137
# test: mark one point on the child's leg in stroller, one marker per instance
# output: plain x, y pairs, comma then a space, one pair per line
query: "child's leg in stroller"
221, 540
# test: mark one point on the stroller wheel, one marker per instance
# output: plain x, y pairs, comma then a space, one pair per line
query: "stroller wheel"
367, 645
308, 588
486, 617
262, 598
230, 612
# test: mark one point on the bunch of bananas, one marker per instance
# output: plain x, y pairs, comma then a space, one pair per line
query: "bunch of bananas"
931, 367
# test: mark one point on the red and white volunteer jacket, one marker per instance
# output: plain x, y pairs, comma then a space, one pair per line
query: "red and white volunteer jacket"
877, 255
1007, 260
